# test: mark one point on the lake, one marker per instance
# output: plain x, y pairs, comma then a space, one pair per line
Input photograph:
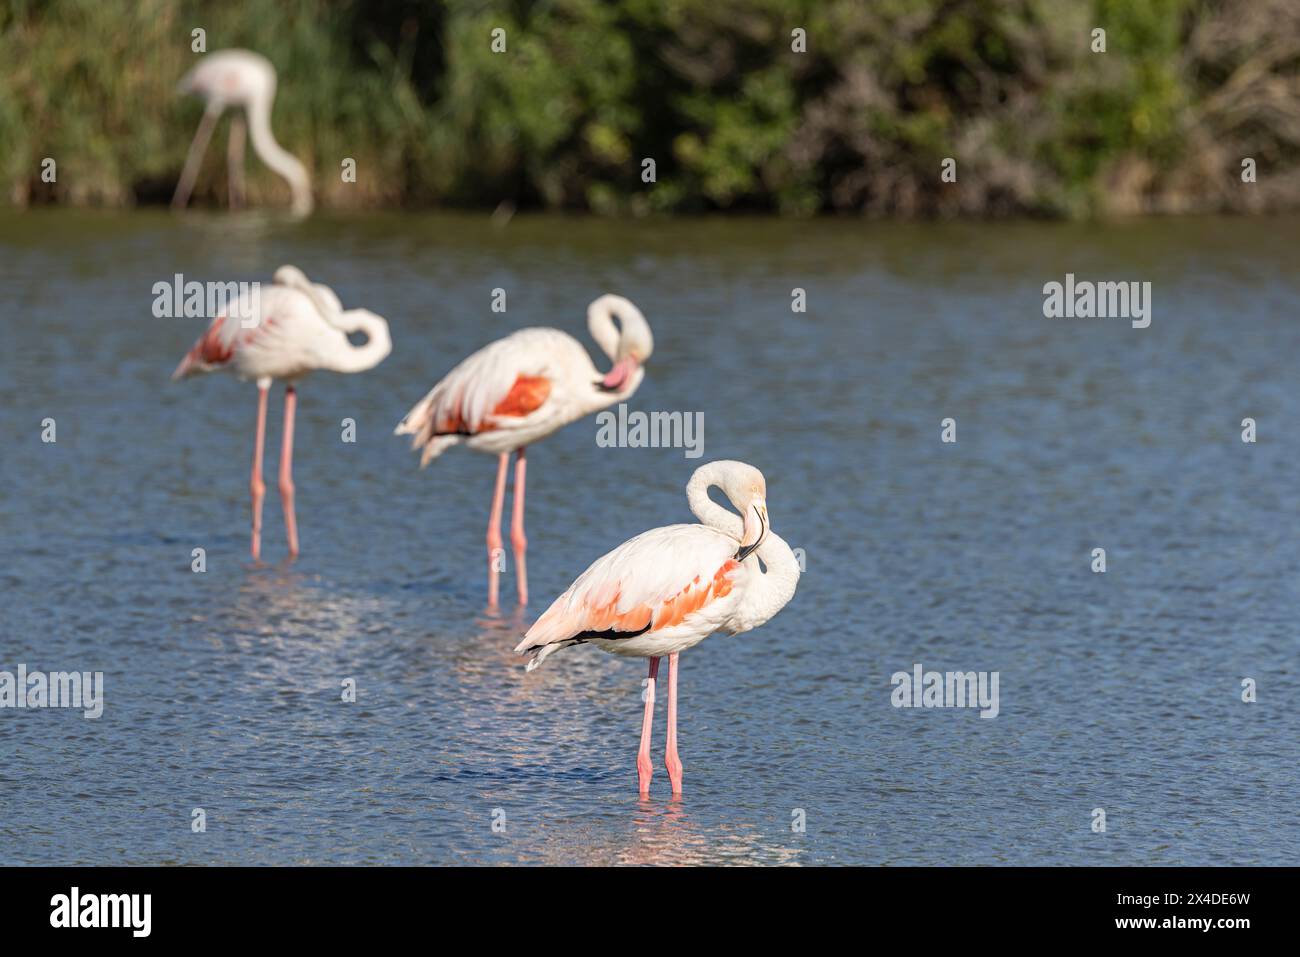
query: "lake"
1119, 691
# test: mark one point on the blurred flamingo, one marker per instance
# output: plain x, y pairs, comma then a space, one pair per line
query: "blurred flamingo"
293, 328
522, 388
668, 589
239, 78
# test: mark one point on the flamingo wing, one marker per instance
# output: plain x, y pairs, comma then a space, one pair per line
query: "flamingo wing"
284, 340
213, 350
497, 387
648, 584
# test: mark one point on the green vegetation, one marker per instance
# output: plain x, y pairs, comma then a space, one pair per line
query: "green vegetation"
711, 89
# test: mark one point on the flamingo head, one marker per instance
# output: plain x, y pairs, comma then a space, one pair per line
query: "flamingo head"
747, 489
622, 332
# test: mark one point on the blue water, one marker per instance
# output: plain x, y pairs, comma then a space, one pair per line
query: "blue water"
1119, 691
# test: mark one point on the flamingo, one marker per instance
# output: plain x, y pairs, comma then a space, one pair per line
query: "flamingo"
296, 326
522, 388
239, 78
668, 589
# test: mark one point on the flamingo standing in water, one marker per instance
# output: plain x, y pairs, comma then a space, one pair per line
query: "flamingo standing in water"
294, 327
239, 78
668, 589
522, 388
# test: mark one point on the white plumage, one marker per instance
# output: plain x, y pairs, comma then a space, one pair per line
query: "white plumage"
668, 589
519, 389
643, 584
466, 405
286, 330
237, 79
468, 395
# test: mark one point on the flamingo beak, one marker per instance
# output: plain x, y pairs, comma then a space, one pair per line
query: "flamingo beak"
756, 526
618, 376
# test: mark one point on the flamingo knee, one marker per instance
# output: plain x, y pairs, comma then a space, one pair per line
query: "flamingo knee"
258, 489
644, 772
674, 766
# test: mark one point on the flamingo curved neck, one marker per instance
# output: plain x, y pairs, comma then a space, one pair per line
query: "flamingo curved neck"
277, 157
768, 592
616, 341
768, 587
600, 323
708, 511
369, 354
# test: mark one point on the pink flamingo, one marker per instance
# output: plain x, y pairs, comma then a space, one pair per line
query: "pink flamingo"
294, 327
668, 589
239, 78
522, 388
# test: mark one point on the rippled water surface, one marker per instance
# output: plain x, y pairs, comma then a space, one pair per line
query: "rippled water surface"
1119, 691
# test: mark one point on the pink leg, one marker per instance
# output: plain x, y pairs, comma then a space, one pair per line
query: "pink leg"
255, 484
286, 469
198, 146
494, 529
671, 761
643, 767
235, 161
517, 538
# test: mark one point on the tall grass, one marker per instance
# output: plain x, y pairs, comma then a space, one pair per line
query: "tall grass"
92, 85
710, 89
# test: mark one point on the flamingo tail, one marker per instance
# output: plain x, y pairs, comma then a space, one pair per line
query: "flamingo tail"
418, 424
539, 653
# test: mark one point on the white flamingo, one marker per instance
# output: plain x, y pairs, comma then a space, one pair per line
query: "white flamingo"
670, 588
294, 327
522, 388
239, 78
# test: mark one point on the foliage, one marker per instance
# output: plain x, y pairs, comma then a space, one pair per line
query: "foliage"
710, 89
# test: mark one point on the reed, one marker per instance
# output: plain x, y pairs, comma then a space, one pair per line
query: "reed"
861, 122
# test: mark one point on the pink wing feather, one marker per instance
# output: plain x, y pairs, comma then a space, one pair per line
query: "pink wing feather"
507, 379
283, 341
649, 583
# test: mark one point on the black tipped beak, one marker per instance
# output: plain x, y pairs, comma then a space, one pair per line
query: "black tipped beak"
746, 550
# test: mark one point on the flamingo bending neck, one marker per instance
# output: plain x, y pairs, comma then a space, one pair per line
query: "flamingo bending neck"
276, 156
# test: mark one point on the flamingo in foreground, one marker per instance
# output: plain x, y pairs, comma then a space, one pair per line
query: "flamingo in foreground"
670, 588
295, 326
239, 78
522, 388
